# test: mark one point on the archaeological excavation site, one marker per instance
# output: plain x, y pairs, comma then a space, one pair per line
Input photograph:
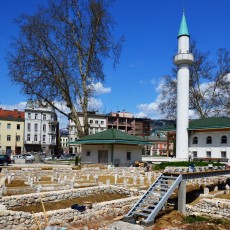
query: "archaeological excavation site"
101, 197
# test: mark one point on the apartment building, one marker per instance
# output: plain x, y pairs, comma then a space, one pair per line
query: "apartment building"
64, 140
11, 131
126, 122
97, 123
41, 128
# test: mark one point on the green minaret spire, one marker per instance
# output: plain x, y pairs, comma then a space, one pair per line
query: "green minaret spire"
183, 27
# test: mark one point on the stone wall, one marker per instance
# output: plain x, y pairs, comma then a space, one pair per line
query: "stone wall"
24, 221
219, 208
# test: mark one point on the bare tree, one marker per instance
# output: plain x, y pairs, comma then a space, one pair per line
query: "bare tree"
209, 86
59, 54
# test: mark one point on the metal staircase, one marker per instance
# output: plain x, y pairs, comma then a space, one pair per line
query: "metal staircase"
153, 200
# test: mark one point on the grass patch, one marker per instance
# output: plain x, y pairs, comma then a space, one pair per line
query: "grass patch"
163, 165
193, 219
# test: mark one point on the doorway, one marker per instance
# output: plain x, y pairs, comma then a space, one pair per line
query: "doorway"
102, 156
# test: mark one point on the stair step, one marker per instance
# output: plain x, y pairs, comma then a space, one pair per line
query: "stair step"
141, 214
161, 184
169, 177
145, 209
151, 201
164, 189
151, 205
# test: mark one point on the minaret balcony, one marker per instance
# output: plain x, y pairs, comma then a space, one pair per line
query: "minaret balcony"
183, 58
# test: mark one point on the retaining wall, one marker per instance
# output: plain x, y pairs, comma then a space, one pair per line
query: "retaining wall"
24, 221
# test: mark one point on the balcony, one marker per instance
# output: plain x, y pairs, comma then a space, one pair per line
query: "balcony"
183, 58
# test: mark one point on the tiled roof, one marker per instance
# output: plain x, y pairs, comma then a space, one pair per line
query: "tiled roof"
208, 123
110, 136
11, 114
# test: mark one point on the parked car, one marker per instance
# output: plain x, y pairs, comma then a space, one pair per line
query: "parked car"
29, 157
13, 157
69, 156
4, 160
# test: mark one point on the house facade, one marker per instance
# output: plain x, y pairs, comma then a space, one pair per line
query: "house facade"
11, 131
41, 128
210, 138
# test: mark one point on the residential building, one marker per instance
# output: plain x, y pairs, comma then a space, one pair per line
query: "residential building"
97, 123
64, 140
41, 128
11, 131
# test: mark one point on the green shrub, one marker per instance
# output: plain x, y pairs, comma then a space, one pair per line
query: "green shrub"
163, 165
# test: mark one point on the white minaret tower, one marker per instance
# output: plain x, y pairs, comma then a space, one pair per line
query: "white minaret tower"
182, 60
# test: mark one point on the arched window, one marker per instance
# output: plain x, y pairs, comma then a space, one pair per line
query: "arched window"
224, 139
195, 140
209, 140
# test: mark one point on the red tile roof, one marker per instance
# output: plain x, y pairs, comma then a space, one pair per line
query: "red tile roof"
11, 113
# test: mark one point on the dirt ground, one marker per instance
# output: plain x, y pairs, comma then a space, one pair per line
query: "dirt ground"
68, 203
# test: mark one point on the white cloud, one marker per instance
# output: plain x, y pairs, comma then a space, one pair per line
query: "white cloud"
149, 110
95, 104
20, 106
100, 89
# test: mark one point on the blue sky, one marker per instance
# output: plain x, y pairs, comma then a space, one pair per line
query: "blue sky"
150, 28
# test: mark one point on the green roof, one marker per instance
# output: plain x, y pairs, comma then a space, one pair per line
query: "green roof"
203, 123
110, 136
209, 123
183, 27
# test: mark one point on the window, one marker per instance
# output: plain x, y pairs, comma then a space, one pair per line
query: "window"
194, 153
29, 127
91, 121
209, 140
17, 138
36, 116
35, 127
208, 154
44, 127
44, 117
195, 140
35, 137
44, 138
224, 139
18, 126
28, 137
8, 137
29, 115
88, 153
96, 121
129, 156
0, 125
8, 126
223, 154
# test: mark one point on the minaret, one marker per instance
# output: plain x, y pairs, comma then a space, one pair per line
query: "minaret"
182, 60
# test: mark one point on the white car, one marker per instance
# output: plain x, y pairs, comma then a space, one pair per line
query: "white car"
13, 157
29, 157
